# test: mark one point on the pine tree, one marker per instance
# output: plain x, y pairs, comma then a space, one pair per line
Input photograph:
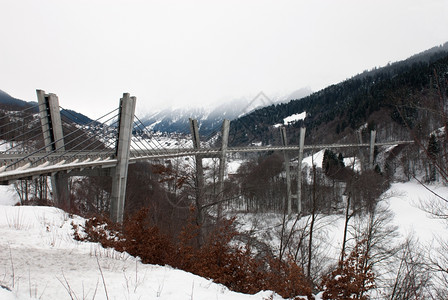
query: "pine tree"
433, 152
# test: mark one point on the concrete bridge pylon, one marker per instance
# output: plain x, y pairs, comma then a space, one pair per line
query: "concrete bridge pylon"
122, 153
54, 142
50, 118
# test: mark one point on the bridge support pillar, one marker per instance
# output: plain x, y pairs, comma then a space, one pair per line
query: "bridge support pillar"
361, 155
299, 169
122, 152
364, 164
222, 164
287, 170
372, 148
50, 117
199, 179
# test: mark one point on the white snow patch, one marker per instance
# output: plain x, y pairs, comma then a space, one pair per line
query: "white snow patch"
439, 132
291, 119
233, 165
353, 163
315, 159
8, 145
8, 195
294, 118
151, 126
362, 127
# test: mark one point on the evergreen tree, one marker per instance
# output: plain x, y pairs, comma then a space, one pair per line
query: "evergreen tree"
433, 147
341, 163
433, 152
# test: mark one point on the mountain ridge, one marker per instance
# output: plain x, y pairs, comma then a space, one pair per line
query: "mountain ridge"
8, 102
370, 97
210, 119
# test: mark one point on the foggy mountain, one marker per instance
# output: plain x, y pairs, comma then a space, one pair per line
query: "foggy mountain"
210, 120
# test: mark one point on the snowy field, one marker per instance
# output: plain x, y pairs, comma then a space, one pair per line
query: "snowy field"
40, 260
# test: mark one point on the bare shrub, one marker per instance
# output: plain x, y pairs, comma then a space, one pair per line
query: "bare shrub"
219, 258
352, 278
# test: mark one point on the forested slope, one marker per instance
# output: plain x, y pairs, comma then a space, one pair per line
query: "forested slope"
351, 103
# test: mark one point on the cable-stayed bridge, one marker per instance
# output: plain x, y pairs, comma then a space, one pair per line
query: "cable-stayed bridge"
47, 140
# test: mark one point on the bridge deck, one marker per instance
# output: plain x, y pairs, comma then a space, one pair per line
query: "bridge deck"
16, 165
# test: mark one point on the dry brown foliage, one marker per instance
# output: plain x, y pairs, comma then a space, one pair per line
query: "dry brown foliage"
352, 278
219, 258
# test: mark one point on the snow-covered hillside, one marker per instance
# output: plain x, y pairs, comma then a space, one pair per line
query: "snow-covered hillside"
40, 260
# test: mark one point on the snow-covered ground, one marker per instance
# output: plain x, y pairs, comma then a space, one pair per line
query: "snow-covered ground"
406, 200
317, 158
40, 260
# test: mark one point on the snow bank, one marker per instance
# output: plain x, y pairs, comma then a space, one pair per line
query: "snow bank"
42, 261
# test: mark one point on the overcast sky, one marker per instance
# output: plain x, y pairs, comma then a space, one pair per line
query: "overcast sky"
174, 53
